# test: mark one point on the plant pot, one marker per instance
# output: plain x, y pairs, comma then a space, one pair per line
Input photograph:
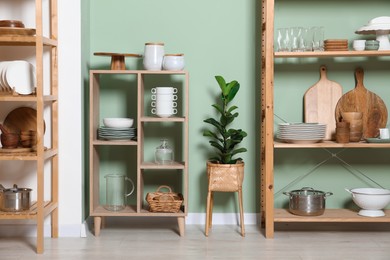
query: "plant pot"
225, 177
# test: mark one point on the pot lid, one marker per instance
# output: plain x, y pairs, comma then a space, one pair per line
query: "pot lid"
307, 191
381, 23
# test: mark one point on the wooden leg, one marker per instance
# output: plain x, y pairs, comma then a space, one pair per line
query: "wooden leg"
181, 223
118, 62
208, 213
241, 212
97, 225
211, 209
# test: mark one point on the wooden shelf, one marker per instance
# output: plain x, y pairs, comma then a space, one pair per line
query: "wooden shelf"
332, 54
140, 72
26, 41
29, 214
159, 119
28, 98
131, 211
330, 144
29, 156
173, 166
330, 215
113, 142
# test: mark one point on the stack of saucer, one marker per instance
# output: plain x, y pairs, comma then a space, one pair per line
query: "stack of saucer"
116, 133
336, 45
301, 132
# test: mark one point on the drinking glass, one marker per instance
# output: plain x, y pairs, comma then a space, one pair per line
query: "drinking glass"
283, 39
318, 38
296, 36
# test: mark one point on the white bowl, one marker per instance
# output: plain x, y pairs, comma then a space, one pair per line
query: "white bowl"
371, 200
118, 122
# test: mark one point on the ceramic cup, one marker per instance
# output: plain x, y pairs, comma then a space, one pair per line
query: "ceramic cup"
163, 90
384, 133
164, 97
163, 104
164, 112
173, 62
153, 56
359, 45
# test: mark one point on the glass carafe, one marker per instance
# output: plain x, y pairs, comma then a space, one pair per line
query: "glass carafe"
164, 153
116, 191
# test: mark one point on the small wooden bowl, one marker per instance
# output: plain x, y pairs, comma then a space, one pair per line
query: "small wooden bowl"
11, 23
9, 140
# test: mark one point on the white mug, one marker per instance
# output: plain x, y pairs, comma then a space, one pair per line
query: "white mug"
163, 104
359, 45
384, 133
164, 97
164, 113
163, 90
153, 56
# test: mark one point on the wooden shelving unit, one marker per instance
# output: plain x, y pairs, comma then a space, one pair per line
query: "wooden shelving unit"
269, 213
139, 209
41, 100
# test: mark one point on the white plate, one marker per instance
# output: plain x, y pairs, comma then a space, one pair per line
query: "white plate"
291, 141
21, 76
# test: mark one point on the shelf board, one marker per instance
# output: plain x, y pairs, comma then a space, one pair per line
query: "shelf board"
29, 214
27, 98
26, 156
140, 72
332, 54
152, 165
161, 119
330, 215
25, 41
330, 144
113, 142
131, 211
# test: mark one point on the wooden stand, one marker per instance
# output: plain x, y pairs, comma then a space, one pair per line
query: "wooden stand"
117, 59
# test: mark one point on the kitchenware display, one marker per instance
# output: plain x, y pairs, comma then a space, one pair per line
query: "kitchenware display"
372, 45
164, 153
115, 122
17, 75
118, 59
21, 119
362, 100
359, 45
153, 56
380, 26
173, 62
116, 191
336, 45
372, 201
342, 132
163, 104
355, 120
14, 199
307, 201
116, 133
384, 133
320, 102
301, 133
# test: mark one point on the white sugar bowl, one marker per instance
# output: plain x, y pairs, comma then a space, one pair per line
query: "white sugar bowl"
173, 62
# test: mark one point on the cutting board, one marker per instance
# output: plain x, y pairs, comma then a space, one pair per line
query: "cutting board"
21, 119
362, 100
320, 102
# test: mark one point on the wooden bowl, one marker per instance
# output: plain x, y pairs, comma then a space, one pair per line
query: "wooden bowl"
11, 23
349, 116
9, 140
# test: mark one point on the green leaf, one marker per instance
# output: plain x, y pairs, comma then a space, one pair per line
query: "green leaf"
222, 84
240, 150
230, 86
231, 109
219, 108
233, 92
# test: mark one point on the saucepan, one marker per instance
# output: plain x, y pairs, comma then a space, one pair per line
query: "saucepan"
14, 199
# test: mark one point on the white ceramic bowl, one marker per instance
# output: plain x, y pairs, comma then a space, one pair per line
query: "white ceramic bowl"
118, 122
371, 200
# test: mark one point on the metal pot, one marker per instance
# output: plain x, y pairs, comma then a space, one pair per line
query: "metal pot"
307, 201
14, 199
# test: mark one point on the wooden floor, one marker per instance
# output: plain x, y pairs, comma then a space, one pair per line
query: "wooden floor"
161, 241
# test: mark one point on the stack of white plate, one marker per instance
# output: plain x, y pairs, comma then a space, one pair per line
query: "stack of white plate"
301, 132
18, 75
116, 133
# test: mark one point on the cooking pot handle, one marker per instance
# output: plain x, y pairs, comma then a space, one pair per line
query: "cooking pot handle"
328, 194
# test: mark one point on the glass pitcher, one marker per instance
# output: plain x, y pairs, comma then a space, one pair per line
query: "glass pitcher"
116, 191
164, 153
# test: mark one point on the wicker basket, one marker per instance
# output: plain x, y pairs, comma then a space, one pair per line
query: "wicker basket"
168, 202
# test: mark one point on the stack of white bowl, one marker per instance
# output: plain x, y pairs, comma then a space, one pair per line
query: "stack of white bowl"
163, 104
17, 75
301, 132
117, 129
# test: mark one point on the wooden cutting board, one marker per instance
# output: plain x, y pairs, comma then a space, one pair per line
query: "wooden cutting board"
21, 119
362, 100
320, 102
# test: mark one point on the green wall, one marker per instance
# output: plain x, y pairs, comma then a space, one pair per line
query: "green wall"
221, 37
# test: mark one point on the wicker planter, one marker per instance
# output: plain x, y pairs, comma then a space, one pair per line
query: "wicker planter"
225, 177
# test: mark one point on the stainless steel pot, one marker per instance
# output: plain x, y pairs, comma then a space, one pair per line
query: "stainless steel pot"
307, 201
14, 199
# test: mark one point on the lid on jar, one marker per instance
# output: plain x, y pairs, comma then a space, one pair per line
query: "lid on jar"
176, 54
155, 43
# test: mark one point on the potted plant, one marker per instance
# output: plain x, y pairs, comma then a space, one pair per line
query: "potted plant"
225, 171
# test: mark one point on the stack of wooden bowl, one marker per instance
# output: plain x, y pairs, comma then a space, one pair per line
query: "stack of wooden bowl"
336, 45
28, 139
355, 120
342, 132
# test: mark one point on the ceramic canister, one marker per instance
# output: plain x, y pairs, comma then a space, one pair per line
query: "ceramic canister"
153, 56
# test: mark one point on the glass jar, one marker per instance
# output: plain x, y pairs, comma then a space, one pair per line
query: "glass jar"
164, 153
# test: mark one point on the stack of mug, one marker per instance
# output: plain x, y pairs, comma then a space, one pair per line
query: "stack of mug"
163, 104
355, 120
